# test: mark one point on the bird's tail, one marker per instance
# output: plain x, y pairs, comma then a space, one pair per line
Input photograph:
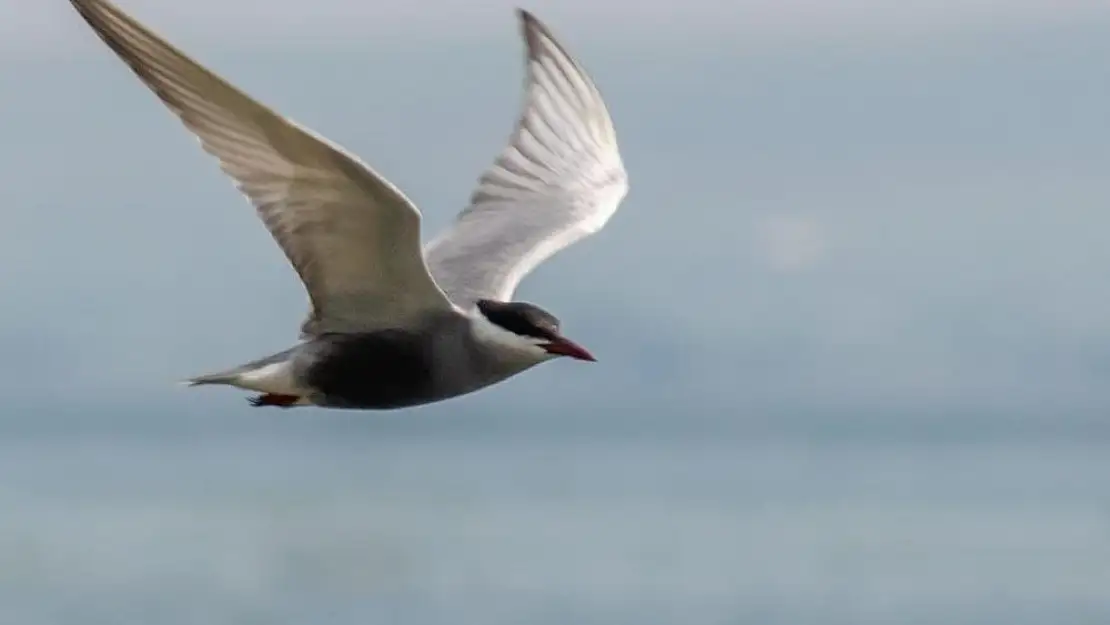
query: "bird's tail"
223, 377
259, 375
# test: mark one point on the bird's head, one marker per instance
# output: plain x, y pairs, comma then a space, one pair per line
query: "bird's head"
529, 329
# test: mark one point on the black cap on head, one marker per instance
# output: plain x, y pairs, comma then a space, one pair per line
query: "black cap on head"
521, 318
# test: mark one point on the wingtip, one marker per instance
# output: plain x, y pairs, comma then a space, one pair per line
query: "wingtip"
532, 30
528, 20
85, 6
81, 6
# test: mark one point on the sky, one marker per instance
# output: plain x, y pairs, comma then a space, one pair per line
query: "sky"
764, 21
842, 214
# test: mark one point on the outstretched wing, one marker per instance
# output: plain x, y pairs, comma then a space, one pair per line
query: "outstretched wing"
353, 237
559, 180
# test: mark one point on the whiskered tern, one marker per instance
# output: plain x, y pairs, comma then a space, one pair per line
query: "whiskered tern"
393, 324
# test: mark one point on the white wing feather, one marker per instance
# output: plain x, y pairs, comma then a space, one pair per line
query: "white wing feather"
559, 180
353, 238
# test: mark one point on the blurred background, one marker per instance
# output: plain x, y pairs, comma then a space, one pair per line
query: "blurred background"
853, 324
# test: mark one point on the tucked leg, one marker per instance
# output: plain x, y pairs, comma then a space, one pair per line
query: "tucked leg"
274, 399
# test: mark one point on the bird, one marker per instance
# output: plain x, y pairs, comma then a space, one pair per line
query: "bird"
393, 323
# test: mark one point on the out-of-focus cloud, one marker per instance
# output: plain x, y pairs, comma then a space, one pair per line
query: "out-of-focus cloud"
789, 243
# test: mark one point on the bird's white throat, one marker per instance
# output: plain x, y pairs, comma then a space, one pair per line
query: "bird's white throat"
508, 344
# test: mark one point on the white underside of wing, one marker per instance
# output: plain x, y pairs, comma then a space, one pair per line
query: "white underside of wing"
551, 240
559, 180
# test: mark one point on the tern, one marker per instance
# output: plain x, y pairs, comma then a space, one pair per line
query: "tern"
393, 324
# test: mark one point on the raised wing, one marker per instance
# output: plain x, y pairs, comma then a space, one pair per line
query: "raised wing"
353, 237
559, 180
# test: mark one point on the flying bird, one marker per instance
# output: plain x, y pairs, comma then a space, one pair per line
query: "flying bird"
393, 324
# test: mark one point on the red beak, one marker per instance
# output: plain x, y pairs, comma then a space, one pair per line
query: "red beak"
566, 347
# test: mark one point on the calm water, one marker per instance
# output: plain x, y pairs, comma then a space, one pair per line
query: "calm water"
516, 531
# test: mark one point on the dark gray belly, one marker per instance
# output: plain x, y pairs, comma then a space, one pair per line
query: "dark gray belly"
381, 370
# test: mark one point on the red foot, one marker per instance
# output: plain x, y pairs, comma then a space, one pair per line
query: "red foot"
273, 399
